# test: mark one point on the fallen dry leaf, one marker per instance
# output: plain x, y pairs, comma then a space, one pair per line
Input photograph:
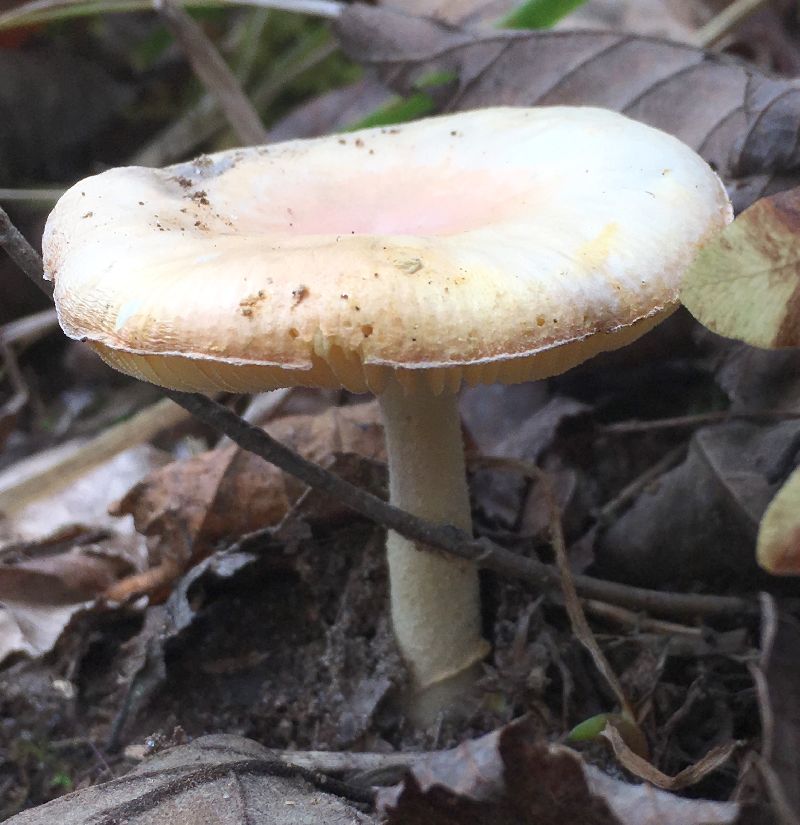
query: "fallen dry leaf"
225, 780
50, 572
73, 576
743, 122
527, 434
190, 506
85, 499
745, 282
701, 518
778, 547
499, 779
469, 12
507, 777
32, 630
758, 379
40, 595
672, 19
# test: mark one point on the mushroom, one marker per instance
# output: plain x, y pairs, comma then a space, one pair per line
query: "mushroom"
504, 244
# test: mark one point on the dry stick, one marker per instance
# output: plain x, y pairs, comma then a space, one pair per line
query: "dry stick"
200, 123
628, 618
214, 72
30, 328
697, 420
261, 408
726, 21
40, 11
485, 553
11, 408
631, 491
22, 253
140, 428
48, 196
15, 376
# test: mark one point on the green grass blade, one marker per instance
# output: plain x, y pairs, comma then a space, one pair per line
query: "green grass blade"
538, 14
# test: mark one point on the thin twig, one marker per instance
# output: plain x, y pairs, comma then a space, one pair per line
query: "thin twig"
328, 9
213, 72
261, 408
697, 420
28, 330
572, 603
631, 491
485, 553
22, 253
138, 429
41, 11
14, 406
726, 21
574, 609
15, 377
46, 196
643, 624
203, 120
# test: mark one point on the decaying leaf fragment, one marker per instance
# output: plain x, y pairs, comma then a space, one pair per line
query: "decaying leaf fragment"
745, 283
778, 547
39, 595
645, 770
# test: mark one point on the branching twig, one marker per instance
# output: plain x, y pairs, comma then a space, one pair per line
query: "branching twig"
485, 553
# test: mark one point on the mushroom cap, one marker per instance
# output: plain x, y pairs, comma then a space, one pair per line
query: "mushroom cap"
498, 244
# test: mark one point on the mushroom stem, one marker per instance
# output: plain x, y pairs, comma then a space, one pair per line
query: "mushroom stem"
435, 601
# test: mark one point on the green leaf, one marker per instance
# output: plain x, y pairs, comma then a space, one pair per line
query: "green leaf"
591, 728
538, 14
404, 109
398, 110
745, 282
61, 780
